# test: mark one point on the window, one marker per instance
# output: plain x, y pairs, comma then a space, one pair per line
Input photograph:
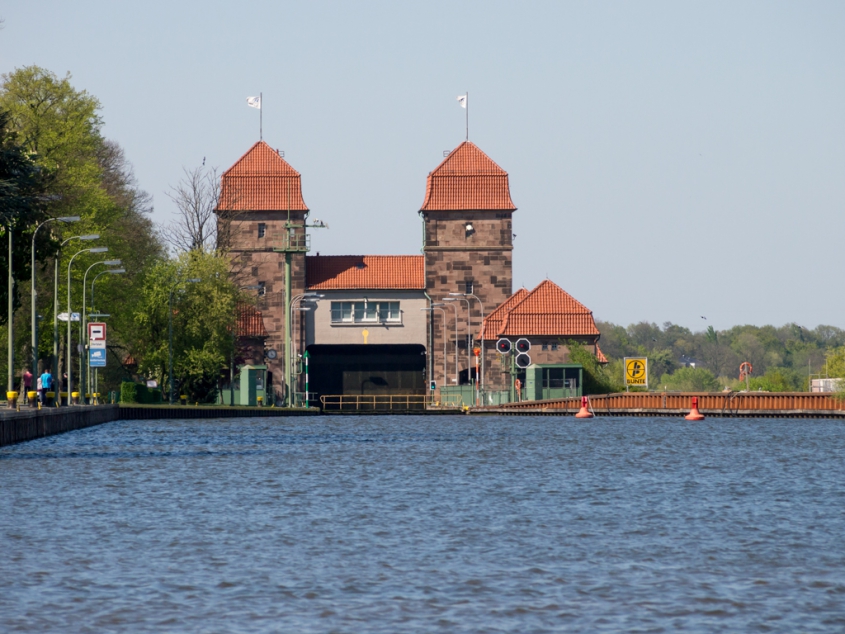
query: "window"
554, 346
262, 229
366, 312
545, 346
468, 290
261, 289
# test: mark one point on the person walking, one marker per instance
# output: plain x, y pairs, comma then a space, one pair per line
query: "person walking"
46, 381
27, 382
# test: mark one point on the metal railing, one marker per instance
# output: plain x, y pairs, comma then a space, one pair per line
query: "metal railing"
373, 402
298, 242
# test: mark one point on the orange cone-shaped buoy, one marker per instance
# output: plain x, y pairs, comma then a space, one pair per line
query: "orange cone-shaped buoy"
584, 412
694, 413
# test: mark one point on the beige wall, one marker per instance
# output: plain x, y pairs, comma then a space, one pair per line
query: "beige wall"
412, 329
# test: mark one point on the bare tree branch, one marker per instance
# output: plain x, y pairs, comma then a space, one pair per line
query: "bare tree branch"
196, 196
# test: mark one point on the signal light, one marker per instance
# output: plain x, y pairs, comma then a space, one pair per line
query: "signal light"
523, 360
523, 345
503, 346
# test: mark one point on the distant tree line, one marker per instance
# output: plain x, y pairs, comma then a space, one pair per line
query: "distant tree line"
679, 359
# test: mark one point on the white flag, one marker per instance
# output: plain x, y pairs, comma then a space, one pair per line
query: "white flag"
463, 101
254, 102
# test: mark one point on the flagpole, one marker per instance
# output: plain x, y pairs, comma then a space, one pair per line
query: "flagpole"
467, 109
261, 116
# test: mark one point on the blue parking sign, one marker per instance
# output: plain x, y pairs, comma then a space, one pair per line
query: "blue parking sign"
97, 357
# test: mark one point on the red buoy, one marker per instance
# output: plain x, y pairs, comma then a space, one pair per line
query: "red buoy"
584, 412
694, 413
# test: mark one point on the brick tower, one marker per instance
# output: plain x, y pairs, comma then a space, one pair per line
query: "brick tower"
261, 224
468, 247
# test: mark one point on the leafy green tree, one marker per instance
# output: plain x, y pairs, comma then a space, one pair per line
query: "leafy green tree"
203, 323
61, 128
690, 379
776, 380
596, 379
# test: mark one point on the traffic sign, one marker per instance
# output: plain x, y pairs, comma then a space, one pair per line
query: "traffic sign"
503, 346
636, 371
97, 357
96, 331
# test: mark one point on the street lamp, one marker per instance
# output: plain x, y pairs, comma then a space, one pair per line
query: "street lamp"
92, 236
34, 294
481, 307
469, 330
70, 319
192, 280
442, 310
96, 277
95, 314
289, 343
83, 321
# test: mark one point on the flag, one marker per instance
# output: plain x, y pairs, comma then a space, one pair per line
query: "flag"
463, 101
254, 102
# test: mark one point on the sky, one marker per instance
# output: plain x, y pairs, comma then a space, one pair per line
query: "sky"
669, 160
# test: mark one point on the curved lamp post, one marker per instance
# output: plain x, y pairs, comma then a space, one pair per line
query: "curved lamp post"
69, 319
445, 337
92, 236
481, 307
83, 321
289, 342
34, 293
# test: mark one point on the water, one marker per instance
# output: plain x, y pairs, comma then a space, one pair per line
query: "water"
452, 524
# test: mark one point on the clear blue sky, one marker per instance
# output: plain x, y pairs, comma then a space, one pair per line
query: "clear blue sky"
669, 159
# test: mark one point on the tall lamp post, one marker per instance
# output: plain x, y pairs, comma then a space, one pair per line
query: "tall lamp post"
70, 320
34, 293
442, 310
192, 280
469, 331
93, 309
289, 342
93, 236
481, 307
84, 380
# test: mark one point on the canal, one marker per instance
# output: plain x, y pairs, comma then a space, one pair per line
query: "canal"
441, 523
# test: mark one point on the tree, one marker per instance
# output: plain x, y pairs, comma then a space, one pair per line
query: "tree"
196, 197
690, 380
596, 378
203, 323
60, 127
23, 187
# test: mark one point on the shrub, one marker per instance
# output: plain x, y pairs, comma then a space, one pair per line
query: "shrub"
128, 392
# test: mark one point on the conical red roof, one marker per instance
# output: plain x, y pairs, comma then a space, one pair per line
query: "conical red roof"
261, 180
467, 179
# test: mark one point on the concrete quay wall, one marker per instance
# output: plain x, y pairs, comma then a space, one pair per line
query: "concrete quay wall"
29, 424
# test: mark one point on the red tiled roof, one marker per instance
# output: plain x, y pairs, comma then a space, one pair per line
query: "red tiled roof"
550, 311
261, 180
547, 311
250, 322
467, 179
492, 324
365, 272
600, 355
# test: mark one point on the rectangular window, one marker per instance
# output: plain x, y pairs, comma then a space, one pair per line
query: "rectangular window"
388, 311
545, 346
262, 229
365, 312
554, 346
261, 289
341, 312
468, 284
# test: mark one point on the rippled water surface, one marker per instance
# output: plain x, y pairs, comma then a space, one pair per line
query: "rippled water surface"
453, 524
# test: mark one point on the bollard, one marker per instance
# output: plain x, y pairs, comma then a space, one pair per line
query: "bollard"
12, 399
694, 413
74, 396
584, 412
32, 397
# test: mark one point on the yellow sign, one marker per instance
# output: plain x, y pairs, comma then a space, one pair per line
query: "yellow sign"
636, 371
365, 333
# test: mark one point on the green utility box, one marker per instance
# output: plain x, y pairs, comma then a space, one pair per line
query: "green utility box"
253, 381
560, 380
